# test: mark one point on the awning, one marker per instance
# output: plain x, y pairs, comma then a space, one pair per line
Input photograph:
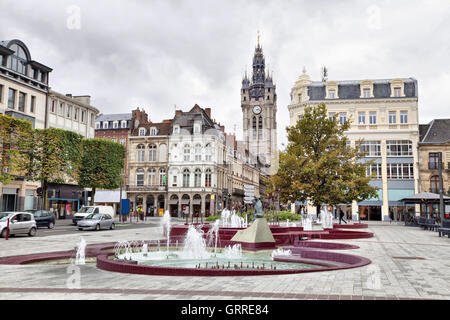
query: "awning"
425, 197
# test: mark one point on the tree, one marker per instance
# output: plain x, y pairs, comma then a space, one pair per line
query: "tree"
56, 157
102, 164
15, 144
319, 165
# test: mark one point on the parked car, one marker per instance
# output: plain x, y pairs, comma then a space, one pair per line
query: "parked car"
44, 218
19, 223
87, 210
97, 221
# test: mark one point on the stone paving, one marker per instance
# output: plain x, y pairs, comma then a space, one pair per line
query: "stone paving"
407, 263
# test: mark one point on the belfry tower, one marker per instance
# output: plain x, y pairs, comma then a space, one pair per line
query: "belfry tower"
259, 110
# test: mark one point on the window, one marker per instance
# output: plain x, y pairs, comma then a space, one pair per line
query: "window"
197, 178
152, 153
342, 117
153, 131
187, 153
371, 148
162, 152
186, 177
374, 170
140, 153
92, 120
208, 152
208, 178
330, 115
300, 98
176, 129
115, 124
361, 118
174, 180
18, 60
21, 106
97, 125
254, 127
68, 111
162, 177
331, 94
83, 118
11, 98
366, 93
198, 152
151, 177
123, 124
260, 128
32, 104
372, 117
141, 131
114, 139
1, 93
435, 184
105, 124
397, 92
122, 141
197, 128
403, 117
140, 177
398, 148
392, 117
400, 171
433, 158
61, 109
53, 106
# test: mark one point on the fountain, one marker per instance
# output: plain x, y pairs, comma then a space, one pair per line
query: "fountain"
280, 252
81, 252
213, 235
165, 222
307, 224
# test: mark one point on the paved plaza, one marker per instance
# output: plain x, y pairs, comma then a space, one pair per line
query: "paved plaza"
407, 263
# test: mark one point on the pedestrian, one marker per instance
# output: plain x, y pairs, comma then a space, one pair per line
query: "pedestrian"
341, 216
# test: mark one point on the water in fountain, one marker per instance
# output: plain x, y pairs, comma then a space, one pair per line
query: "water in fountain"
195, 244
213, 235
307, 224
165, 222
281, 252
81, 252
233, 252
144, 249
224, 217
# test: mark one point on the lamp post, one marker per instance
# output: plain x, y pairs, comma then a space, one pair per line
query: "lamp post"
441, 190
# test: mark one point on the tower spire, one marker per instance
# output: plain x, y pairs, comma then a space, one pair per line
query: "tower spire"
258, 39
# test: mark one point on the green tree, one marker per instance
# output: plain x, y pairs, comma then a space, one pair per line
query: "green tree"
56, 157
102, 164
15, 143
319, 165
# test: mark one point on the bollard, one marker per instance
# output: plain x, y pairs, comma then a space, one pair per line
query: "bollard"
7, 229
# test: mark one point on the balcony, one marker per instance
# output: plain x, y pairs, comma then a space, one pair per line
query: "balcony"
145, 188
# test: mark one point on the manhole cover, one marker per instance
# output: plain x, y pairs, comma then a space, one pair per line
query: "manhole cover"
409, 258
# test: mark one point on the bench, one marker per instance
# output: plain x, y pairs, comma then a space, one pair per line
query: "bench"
445, 229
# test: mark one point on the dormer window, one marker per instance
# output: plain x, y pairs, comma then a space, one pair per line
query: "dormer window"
366, 87
397, 92
142, 131
332, 94
123, 124
153, 131
97, 125
105, 125
366, 93
397, 88
197, 128
332, 90
116, 124
176, 129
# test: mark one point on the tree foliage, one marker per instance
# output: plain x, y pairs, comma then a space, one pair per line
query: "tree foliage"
15, 144
319, 165
101, 164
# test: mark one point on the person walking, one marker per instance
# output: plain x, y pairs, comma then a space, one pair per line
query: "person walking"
341, 216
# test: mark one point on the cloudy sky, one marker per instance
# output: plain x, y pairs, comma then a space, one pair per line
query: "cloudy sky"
158, 54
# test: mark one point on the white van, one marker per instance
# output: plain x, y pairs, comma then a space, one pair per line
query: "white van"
87, 210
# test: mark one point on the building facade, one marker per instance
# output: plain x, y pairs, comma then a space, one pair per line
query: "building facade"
148, 164
434, 147
73, 113
24, 85
384, 113
259, 109
197, 174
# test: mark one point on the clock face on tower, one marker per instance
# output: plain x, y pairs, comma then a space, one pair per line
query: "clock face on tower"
256, 109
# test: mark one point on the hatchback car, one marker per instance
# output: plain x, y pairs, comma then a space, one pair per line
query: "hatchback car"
19, 223
96, 221
44, 218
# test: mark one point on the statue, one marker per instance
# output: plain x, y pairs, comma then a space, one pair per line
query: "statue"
258, 209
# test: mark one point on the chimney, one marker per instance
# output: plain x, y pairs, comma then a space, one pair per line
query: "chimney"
83, 99
69, 95
178, 112
208, 112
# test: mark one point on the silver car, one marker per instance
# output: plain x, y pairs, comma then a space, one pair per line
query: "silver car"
96, 221
19, 223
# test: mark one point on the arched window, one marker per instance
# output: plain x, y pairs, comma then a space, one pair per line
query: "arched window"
254, 127
140, 177
140, 153
434, 184
151, 177
186, 177
197, 178
260, 127
162, 177
152, 153
187, 153
18, 60
142, 131
208, 177
198, 152
162, 152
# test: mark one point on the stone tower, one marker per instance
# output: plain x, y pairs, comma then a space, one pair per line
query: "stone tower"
259, 109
